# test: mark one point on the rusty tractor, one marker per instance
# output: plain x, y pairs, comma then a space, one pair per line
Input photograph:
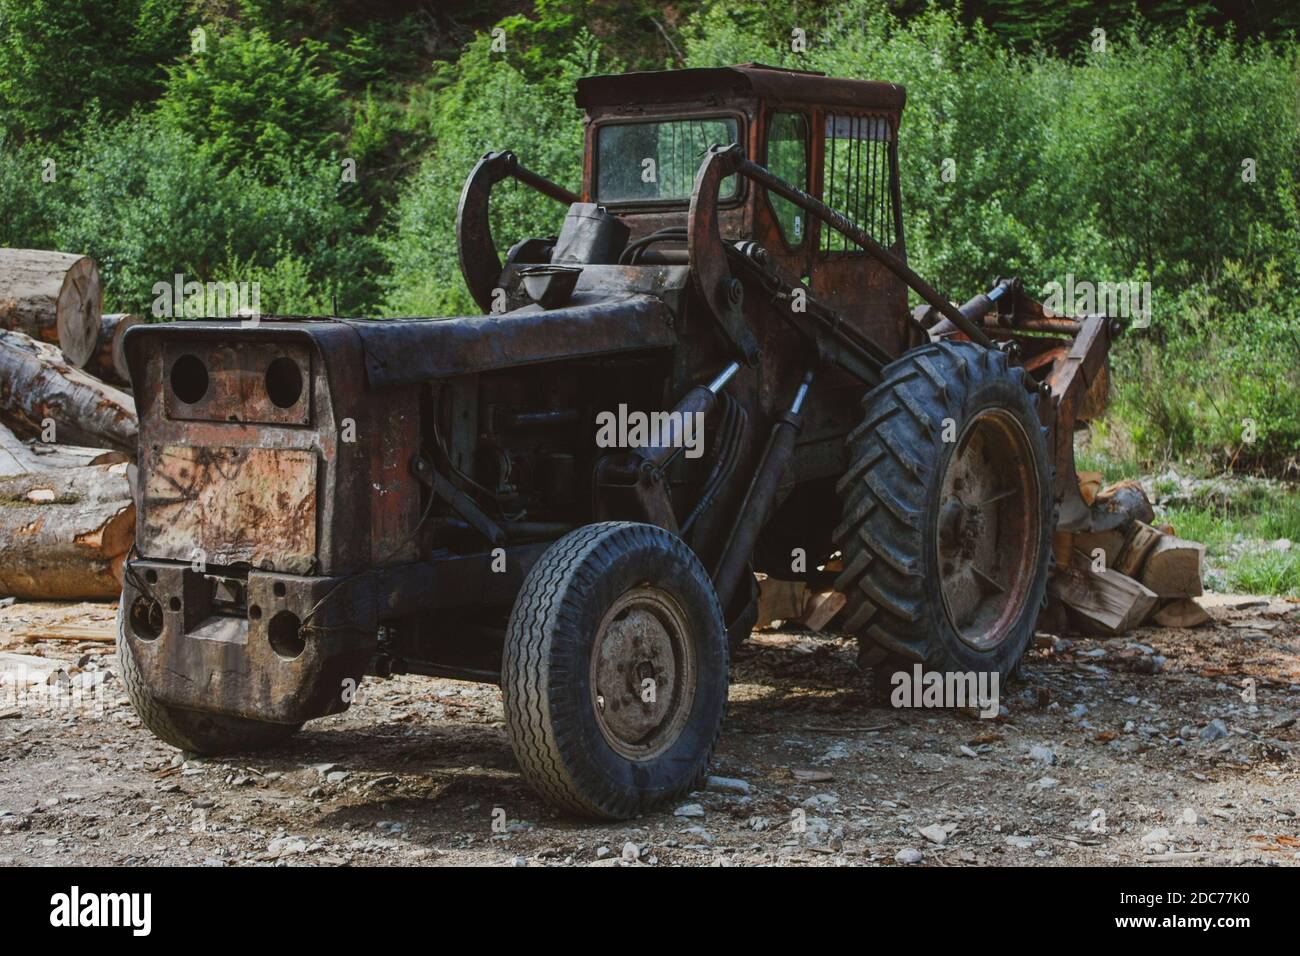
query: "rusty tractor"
711, 371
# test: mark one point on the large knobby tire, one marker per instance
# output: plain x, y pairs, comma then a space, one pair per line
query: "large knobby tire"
607, 608
947, 514
209, 735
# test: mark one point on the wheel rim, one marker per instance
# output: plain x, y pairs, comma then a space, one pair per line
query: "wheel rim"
644, 636
988, 528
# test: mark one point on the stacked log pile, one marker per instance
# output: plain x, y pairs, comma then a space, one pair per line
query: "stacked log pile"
1103, 583
1134, 573
67, 431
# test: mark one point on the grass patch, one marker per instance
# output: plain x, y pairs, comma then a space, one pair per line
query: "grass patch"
1265, 572
1238, 541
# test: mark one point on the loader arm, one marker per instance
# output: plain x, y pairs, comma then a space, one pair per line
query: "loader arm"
709, 269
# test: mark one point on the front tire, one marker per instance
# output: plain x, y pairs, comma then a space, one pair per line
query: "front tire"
614, 675
947, 514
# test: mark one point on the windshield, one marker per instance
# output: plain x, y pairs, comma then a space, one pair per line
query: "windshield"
657, 162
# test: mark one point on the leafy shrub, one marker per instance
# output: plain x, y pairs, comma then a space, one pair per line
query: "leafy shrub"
492, 105
253, 101
57, 57
144, 200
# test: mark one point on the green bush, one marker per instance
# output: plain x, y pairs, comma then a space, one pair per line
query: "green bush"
26, 199
253, 101
147, 202
1115, 165
492, 105
58, 57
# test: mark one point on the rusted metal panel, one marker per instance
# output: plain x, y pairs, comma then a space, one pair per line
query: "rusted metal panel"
360, 438
394, 505
254, 505
409, 351
1070, 380
240, 381
725, 83
223, 659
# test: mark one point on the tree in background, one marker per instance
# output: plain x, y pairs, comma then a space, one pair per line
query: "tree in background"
253, 101
57, 57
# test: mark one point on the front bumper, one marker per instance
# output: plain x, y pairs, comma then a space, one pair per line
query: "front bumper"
232, 645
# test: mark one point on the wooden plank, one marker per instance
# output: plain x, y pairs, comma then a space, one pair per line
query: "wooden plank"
1141, 539
1108, 603
104, 634
1181, 612
1173, 567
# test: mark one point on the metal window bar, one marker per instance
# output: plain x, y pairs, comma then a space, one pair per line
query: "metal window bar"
857, 178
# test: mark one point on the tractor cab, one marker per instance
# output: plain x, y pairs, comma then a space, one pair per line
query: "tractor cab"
646, 135
835, 139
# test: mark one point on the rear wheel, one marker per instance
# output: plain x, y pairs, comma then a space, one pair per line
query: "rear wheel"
614, 675
191, 730
947, 514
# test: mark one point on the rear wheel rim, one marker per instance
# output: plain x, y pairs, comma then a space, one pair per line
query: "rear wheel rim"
988, 532
643, 673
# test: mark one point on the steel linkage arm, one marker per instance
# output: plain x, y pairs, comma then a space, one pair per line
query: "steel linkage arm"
709, 267
479, 263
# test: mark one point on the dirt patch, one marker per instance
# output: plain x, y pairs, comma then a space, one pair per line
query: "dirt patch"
1128, 750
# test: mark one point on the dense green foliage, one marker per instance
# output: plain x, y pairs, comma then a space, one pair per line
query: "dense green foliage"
58, 57
245, 113
1138, 144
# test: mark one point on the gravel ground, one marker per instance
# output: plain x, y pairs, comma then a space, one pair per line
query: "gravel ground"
1130, 750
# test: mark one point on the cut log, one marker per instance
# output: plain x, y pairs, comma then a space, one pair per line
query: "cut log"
1173, 567
1181, 612
1089, 484
1141, 539
37, 385
1109, 543
1127, 500
1109, 603
52, 296
821, 608
780, 601
18, 457
109, 360
61, 531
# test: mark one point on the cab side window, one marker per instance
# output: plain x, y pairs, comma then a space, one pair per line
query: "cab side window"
857, 179
787, 157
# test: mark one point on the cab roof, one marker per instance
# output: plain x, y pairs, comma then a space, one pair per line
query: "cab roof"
749, 80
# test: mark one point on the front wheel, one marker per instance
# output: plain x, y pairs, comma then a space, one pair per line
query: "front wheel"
947, 514
614, 675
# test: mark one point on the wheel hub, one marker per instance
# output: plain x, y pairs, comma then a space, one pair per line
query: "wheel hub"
642, 673
988, 528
